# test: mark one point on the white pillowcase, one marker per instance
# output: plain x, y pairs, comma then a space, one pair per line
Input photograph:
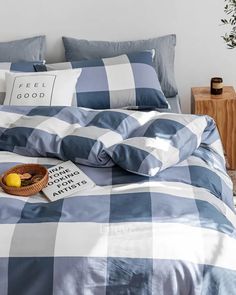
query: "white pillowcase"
55, 88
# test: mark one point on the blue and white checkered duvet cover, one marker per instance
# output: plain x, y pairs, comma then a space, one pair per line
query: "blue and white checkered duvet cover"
172, 233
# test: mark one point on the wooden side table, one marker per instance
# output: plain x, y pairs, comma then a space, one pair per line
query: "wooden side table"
223, 109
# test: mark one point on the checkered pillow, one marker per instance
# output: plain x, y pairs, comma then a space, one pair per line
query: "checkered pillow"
12, 67
117, 82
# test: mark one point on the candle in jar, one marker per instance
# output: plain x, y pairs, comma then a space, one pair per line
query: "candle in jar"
216, 86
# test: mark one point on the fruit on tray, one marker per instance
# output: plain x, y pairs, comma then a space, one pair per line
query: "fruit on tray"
13, 179
25, 176
20, 180
36, 178
24, 180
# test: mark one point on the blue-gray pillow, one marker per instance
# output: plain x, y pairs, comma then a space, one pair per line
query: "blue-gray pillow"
30, 49
117, 82
12, 67
164, 46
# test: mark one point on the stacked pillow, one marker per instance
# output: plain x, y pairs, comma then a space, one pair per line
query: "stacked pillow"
30, 49
100, 74
6, 67
19, 87
164, 46
122, 81
19, 56
56, 88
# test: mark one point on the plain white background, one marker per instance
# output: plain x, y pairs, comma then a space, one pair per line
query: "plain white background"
200, 51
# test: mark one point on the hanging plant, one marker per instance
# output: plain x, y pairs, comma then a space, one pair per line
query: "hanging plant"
230, 20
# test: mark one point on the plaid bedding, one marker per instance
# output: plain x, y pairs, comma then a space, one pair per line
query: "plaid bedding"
172, 233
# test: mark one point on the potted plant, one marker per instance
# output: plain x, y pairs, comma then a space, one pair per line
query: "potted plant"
230, 20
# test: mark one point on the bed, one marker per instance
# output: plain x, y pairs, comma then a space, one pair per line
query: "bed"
160, 218
161, 222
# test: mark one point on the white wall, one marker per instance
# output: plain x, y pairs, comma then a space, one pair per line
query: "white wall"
200, 52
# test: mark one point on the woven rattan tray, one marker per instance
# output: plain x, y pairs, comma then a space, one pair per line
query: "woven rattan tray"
30, 189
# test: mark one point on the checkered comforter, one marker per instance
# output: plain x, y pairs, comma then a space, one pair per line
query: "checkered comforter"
160, 221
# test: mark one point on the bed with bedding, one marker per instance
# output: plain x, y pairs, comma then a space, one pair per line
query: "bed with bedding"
160, 219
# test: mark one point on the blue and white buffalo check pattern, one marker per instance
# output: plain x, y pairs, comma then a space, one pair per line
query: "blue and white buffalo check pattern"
117, 82
12, 67
172, 233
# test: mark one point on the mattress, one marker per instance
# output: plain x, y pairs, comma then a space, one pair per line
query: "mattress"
161, 222
174, 103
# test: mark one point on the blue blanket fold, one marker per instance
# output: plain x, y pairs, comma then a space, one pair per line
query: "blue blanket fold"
142, 143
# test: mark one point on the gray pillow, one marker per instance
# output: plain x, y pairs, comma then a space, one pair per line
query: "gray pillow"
76, 50
31, 49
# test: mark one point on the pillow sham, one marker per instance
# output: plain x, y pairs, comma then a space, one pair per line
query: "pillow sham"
30, 49
56, 88
76, 49
12, 67
125, 80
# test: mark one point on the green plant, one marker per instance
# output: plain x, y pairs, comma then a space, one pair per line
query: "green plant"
230, 20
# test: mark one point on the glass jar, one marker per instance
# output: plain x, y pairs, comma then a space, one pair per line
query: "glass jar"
216, 86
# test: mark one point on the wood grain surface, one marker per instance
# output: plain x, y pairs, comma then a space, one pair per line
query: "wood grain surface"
223, 109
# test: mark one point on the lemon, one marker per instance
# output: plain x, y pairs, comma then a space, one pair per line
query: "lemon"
13, 179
